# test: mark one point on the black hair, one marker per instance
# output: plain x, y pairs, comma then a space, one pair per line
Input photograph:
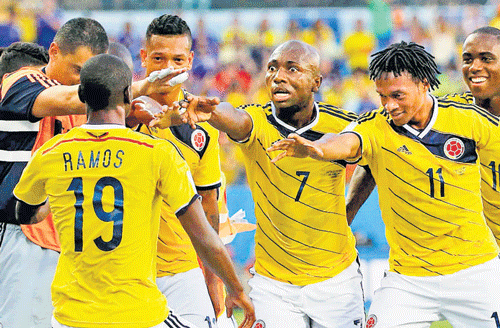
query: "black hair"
405, 57
20, 54
169, 25
490, 30
79, 32
120, 51
104, 82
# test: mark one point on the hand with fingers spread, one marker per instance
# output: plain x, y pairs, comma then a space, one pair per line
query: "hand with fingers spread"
162, 81
169, 116
198, 108
142, 110
242, 301
295, 146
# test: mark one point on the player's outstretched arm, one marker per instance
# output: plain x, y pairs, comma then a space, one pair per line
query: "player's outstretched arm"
58, 100
330, 147
222, 116
158, 82
360, 188
214, 254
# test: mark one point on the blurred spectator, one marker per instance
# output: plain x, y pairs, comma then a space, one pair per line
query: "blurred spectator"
443, 44
381, 21
495, 21
48, 23
263, 41
419, 33
231, 160
232, 78
9, 30
27, 21
358, 46
359, 92
133, 42
472, 19
203, 39
234, 31
400, 31
293, 32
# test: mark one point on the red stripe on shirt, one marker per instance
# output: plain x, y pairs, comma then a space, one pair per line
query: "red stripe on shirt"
98, 140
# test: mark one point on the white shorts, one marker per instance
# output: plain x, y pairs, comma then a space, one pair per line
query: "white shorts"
334, 303
187, 295
224, 322
172, 321
26, 273
468, 298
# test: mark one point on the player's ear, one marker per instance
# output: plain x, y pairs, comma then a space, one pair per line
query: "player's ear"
317, 83
80, 93
143, 54
127, 95
54, 50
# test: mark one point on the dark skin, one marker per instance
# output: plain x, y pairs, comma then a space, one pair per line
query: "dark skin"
481, 73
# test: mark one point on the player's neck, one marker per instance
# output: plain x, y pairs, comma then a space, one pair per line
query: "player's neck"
424, 114
492, 105
174, 94
107, 116
297, 116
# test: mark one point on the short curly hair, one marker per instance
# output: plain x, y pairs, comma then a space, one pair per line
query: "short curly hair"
169, 25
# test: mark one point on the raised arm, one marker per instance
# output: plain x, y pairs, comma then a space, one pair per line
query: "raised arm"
58, 100
330, 147
214, 255
237, 124
360, 188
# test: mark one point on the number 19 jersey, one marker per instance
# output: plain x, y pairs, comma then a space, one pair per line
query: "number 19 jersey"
302, 236
105, 186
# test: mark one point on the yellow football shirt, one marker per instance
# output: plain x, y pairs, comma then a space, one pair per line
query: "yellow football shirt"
490, 175
429, 187
200, 149
302, 235
105, 185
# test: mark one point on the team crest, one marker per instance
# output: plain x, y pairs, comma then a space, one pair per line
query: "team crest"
259, 324
198, 139
372, 321
454, 148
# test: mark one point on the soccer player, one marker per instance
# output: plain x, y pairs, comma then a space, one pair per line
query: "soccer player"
180, 278
423, 153
481, 72
27, 96
105, 185
306, 273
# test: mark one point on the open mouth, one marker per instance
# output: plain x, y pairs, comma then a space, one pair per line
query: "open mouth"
477, 80
281, 95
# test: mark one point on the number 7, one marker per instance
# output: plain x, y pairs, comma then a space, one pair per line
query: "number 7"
306, 175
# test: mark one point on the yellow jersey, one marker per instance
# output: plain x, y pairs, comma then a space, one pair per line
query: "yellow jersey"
105, 185
200, 149
429, 186
490, 175
302, 236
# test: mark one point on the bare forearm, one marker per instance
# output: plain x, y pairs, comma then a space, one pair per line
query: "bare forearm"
58, 100
209, 247
210, 207
339, 146
360, 188
31, 214
236, 123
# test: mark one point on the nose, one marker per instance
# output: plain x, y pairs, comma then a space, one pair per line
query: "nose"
279, 75
390, 104
476, 65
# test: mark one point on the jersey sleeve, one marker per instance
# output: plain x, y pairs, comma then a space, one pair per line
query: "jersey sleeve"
364, 130
22, 93
487, 130
31, 186
256, 114
207, 174
175, 182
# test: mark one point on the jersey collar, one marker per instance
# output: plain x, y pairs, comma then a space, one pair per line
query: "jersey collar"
103, 126
425, 131
292, 128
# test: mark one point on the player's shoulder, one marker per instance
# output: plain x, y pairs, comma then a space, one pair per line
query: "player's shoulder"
264, 109
159, 144
335, 113
453, 107
376, 115
197, 139
463, 97
18, 80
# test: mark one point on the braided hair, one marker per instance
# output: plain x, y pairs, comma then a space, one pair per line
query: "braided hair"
405, 57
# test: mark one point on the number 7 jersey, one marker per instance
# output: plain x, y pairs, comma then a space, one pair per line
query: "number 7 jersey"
105, 186
429, 186
302, 236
